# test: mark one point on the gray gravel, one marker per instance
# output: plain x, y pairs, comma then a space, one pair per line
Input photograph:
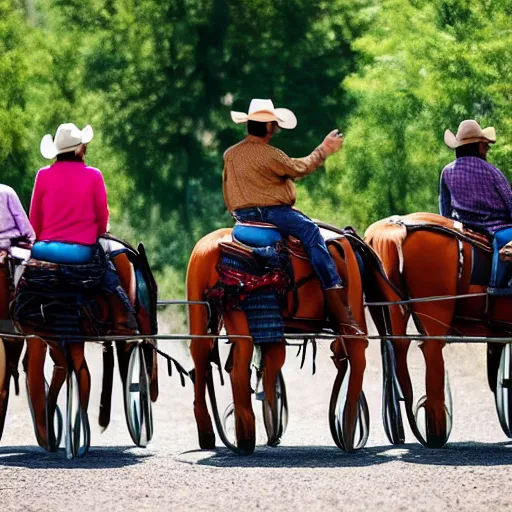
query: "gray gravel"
307, 472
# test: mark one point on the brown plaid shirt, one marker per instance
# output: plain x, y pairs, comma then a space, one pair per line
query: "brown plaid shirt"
257, 174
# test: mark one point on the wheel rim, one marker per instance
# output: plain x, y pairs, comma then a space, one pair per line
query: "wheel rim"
276, 419
391, 396
138, 410
503, 395
78, 435
336, 411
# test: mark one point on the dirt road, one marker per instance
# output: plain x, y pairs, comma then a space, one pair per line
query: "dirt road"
307, 472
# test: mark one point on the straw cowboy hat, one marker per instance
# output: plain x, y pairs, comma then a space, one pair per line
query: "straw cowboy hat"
469, 131
264, 112
68, 138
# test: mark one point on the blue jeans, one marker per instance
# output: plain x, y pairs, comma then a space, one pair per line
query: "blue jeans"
63, 252
501, 273
295, 223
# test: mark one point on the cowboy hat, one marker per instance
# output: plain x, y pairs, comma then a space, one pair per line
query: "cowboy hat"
264, 112
68, 138
469, 131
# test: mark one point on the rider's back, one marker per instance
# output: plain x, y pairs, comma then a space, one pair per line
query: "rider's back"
69, 203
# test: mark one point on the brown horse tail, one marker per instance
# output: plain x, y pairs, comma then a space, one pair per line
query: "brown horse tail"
197, 283
386, 237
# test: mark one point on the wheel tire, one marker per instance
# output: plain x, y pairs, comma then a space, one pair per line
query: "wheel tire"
78, 433
391, 410
137, 401
503, 395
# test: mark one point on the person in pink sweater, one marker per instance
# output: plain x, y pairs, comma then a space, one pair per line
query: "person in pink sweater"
69, 209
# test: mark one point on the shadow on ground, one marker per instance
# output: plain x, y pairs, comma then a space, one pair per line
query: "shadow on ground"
98, 458
455, 454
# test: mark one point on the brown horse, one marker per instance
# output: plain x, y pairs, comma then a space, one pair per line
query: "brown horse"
43, 402
202, 276
426, 255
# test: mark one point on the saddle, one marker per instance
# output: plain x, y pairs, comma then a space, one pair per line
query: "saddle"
73, 301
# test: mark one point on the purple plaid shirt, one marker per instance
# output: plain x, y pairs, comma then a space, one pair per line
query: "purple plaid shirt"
476, 193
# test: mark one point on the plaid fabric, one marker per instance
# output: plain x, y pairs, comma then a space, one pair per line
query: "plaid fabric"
476, 193
263, 312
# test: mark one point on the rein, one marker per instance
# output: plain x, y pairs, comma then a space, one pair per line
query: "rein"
426, 299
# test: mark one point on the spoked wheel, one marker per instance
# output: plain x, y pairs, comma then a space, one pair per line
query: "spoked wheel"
225, 425
78, 433
391, 396
503, 394
424, 432
276, 418
137, 401
336, 412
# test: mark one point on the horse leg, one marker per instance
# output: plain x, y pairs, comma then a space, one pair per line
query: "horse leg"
200, 350
77, 356
401, 347
36, 388
58, 379
240, 383
274, 355
12, 354
355, 350
435, 384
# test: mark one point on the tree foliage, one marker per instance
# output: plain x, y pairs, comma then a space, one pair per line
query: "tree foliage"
426, 66
157, 80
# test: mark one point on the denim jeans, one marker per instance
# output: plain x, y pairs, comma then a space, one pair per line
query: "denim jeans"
295, 223
501, 270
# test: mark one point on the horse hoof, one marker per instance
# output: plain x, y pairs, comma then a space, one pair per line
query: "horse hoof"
246, 446
434, 441
273, 443
206, 440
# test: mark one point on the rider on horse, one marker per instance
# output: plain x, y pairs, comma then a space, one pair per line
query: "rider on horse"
69, 209
475, 192
258, 186
14, 223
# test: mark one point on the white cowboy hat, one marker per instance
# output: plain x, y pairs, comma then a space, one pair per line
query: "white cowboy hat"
469, 131
264, 112
68, 138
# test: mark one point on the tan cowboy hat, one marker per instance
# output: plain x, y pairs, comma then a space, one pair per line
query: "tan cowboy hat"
68, 138
469, 131
264, 112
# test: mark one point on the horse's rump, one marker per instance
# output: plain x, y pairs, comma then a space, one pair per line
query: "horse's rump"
277, 286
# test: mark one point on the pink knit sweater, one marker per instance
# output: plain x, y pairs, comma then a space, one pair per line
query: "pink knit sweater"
69, 203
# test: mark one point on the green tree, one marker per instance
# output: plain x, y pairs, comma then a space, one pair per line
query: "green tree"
168, 74
426, 67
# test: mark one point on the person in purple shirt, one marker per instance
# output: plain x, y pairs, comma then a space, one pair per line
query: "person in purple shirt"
476, 193
13, 219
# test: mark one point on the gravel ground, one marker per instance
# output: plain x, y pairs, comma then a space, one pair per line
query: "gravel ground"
307, 472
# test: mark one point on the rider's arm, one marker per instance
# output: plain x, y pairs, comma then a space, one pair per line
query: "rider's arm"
445, 200
36, 205
101, 205
295, 168
19, 216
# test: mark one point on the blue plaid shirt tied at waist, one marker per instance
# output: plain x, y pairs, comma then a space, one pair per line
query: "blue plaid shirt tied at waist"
476, 193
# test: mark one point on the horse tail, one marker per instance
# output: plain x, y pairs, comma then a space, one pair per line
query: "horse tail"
201, 276
196, 288
387, 237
